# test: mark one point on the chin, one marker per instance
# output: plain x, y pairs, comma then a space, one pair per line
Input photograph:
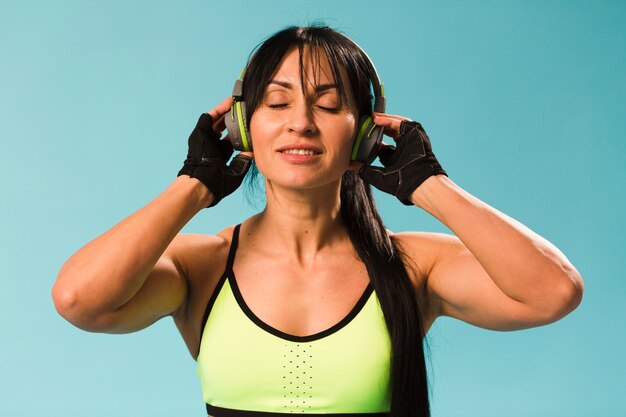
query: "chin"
302, 182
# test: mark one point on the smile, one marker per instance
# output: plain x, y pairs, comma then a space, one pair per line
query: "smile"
299, 152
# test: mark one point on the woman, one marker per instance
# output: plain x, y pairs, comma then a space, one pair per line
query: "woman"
311, 305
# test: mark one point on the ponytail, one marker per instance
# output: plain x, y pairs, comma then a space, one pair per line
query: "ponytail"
388, 275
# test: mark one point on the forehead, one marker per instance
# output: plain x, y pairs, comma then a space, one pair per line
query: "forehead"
311, 72
313, 68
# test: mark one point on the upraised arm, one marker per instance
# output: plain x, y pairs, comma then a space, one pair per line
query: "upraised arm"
125, 279
494, 272
131, 276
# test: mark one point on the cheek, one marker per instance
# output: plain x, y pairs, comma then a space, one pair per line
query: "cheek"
253, 128
259, 133
349, 133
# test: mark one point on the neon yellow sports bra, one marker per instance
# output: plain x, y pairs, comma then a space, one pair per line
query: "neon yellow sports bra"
249, 369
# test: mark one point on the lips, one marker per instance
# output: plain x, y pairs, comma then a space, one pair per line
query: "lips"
299, 152
299, 149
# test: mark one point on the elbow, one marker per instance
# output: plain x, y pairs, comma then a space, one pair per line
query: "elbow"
67, 303
575, 291
64, 300
573, 287
571, 295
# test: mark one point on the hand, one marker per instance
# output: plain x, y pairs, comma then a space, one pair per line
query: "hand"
406, 165
208, 155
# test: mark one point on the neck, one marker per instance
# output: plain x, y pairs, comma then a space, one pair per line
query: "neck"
301, 223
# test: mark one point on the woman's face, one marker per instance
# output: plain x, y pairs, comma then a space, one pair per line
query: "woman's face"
303, 141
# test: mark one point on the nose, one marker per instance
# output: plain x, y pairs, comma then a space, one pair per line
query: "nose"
301, 118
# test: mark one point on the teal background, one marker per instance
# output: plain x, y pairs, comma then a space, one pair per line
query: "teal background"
524, 102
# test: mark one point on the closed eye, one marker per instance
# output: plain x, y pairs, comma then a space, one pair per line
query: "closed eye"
328, 109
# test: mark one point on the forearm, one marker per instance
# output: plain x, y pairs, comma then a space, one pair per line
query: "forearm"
524, 265
108, 271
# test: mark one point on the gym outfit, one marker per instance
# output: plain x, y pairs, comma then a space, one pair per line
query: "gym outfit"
247, 368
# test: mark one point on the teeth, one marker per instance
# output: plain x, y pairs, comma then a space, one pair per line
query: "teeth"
299, 151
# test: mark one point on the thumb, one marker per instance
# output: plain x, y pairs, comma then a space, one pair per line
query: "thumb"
240, 164
386, 154
236, 171
373, 175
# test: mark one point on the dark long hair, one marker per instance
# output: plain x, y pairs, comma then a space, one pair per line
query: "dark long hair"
380, 253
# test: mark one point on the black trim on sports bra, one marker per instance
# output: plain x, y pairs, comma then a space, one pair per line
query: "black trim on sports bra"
220, 283
230, 276
351, 315
230, 412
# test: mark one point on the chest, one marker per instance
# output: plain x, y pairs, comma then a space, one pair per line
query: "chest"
300, 299
291, 298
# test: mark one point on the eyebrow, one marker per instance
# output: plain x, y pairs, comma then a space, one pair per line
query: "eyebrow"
318, 88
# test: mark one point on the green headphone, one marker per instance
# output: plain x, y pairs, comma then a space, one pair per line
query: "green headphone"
366, 143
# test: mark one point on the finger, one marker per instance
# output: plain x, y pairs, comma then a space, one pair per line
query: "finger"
392, 116
392, 132
221, 108
220, 124
391, 125
248, 154
387, 123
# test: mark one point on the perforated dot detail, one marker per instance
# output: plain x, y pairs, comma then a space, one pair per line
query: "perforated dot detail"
296, 363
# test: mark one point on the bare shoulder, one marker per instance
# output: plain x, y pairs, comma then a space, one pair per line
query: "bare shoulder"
426, 245
192, 248
201, 258
421, 251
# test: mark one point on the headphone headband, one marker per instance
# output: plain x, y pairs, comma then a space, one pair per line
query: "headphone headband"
380, 103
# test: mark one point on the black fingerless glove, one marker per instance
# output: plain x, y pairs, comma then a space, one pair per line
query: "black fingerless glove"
207, 157
406, 165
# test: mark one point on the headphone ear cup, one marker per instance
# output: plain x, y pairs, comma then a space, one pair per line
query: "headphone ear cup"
237, 126
367, 141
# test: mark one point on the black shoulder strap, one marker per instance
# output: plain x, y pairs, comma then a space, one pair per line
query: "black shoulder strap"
233, 248
220, 284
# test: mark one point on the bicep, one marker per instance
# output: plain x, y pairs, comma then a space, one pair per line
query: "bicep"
459, 287
162, 294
